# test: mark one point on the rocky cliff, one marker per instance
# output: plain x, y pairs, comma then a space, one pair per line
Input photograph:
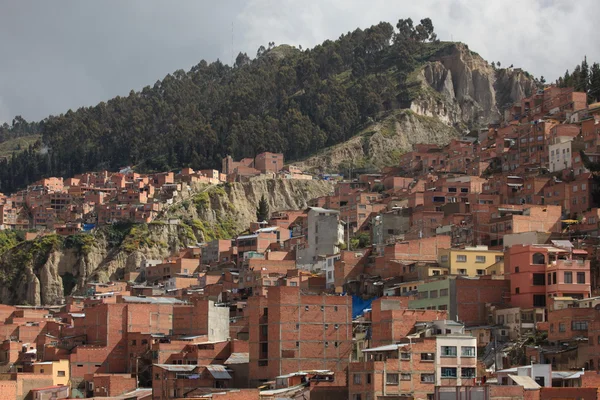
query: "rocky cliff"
43, 271
461, 89
454, 92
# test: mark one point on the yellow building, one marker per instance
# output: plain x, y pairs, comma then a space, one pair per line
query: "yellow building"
470, 261
58, 370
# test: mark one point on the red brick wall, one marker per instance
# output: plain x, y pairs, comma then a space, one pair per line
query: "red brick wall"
392, 325
555, 393
473, 295
301, 333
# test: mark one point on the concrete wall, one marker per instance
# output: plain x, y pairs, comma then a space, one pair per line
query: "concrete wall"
218, 322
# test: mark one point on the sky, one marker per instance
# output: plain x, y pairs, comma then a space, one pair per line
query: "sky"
65, 54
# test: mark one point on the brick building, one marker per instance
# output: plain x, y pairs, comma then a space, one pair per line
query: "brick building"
291, 332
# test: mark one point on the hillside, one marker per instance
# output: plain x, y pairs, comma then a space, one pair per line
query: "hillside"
44, 270
451, 93
285, 100
18, 144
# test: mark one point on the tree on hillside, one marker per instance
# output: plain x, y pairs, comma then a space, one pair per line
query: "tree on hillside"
262, 211
594, 91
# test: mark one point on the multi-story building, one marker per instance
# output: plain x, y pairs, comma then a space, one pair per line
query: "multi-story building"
324, 234
470, 261
417, 364
464, 299
537, 272
291, 332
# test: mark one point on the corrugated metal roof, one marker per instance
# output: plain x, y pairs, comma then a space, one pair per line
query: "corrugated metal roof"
238, 358
525, 381
562, 243
218, 371
152, 300
389, 347
177, 368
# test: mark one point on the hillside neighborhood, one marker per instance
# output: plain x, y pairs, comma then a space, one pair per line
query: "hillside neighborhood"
468, 270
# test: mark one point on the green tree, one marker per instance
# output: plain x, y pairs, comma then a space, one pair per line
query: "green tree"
594, 90
262, 211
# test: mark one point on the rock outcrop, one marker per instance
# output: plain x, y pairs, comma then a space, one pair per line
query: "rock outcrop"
455, 92
461, 89
43, 271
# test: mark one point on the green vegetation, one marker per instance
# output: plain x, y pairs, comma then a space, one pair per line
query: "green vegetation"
285, 100
224, 228
139, 237
116, 233
584, 78
18, 144
82, 242
262, 211
9, 239
201, 201
360, 241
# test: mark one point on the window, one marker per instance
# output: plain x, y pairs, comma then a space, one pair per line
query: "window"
423, 295
296, 283
391, 379
427, 356
516, 270
368, 378
579, 325
568, 277
60, 373
405, 377
581, 277
499, 258
448, 351
133, 342
467, 372
539, 280
427, 378
357, 397
357, 379
444, 258
461, 258
562, 327
443, 292
539, 300
467, 351
462, 271
517, 290
405, 356
479, 259
448, 372
538, 258
433, 294
500, 319
481, 272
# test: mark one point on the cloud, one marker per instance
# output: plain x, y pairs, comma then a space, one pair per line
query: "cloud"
68, 54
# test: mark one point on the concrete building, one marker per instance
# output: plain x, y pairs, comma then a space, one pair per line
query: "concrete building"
417, 364
464, 299
323, 233
537, 272
470, 261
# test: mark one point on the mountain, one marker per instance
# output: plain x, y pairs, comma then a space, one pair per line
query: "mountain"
44, 270
454, 91
285, 100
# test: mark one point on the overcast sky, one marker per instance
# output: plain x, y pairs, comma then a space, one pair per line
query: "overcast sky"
57, 55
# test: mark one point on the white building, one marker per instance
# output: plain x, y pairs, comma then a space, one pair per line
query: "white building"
323, 235
560, 154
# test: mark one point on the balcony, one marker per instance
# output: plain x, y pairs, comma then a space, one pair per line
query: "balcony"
569, 264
